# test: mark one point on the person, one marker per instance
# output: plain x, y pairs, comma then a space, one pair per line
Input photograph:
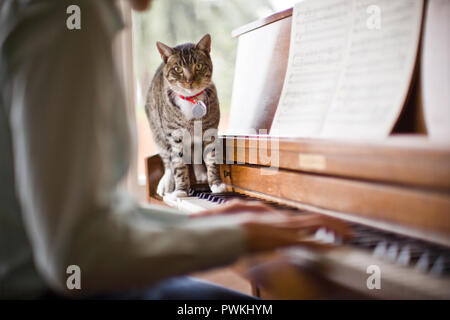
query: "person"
65, 145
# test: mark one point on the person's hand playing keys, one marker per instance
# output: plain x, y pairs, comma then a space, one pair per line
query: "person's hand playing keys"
272, 231
267, 228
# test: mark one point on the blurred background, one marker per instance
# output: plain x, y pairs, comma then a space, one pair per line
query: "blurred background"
178, 21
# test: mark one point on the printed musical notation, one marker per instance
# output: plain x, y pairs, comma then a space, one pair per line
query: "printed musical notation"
348, 76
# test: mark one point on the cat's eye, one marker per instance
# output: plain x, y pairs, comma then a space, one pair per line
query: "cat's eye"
178, 69
198, 67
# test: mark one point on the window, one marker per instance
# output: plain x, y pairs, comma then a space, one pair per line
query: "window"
178, 21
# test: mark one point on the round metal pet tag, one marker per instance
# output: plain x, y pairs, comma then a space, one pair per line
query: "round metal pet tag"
199, 110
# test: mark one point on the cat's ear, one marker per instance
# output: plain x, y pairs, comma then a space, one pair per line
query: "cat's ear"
164, 51
204, 43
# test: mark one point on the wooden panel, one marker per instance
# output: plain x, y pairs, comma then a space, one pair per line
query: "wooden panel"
260, 69
427, 211
154, 170
403, 160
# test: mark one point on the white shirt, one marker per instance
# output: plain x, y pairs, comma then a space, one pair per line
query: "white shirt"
64, 147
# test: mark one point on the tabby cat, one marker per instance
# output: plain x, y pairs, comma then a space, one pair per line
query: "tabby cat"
182, 94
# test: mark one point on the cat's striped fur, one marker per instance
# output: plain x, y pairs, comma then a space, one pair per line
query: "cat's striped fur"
186, 70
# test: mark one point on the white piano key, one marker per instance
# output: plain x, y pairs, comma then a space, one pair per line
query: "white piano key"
424, 262
320, 234
438, 266
189, 204
392, 252
329, 237
404, 257
380, 249
193, 204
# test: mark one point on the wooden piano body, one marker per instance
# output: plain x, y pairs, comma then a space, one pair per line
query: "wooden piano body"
399, 186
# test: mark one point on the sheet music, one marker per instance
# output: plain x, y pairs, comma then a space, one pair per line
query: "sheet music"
319, 39
347, 78
435, 79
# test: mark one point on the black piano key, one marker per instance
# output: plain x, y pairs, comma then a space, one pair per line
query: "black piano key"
203, 195
224, 197
366, 244
212, 198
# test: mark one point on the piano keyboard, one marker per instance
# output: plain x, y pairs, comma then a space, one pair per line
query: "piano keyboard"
409, 268
202, 199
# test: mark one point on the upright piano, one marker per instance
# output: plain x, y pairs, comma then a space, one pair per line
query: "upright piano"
393, 193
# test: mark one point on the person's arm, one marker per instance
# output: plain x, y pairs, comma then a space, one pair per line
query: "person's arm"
71, 148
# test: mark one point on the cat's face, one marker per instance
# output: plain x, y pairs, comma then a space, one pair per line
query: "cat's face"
187, 67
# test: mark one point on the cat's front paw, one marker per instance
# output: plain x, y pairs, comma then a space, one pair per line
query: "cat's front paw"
218, 188
176, 194
166, 184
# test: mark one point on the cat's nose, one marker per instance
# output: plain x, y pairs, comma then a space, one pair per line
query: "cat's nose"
188, 76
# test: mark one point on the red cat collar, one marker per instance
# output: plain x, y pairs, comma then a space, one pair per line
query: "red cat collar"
191, 98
